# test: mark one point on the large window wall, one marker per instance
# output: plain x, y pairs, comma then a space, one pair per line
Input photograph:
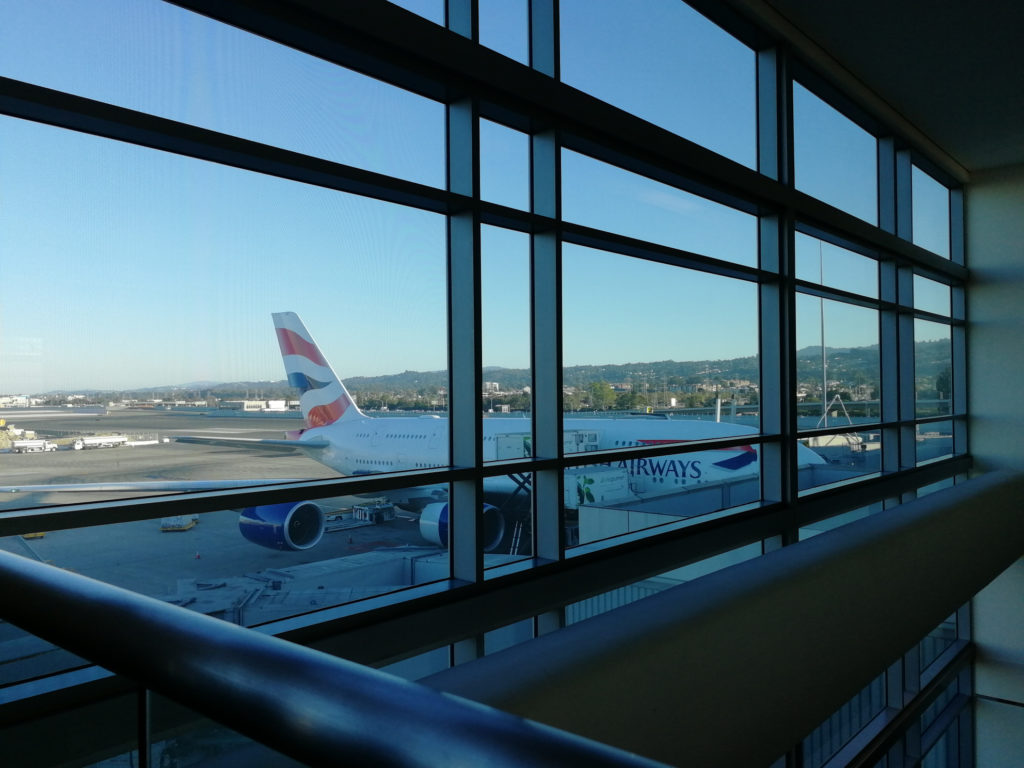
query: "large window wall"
587, 284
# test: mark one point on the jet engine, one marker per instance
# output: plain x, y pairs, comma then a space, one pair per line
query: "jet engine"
290, 526
434, 525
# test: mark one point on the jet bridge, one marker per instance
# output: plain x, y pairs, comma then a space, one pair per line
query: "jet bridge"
519, 445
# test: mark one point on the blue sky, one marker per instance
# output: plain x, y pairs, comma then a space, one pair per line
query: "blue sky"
128, 267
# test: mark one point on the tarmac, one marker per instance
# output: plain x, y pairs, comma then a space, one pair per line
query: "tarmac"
209, 567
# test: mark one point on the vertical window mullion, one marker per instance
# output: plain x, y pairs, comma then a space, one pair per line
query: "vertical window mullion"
905, 331
778, 362
890, 357
907, 387
464, 349
959, 354
777, 299
460, 17
904, 198
144, 718
887, 184
959, 311
547, 397
957, 250
773, 117
544, 37
546, 313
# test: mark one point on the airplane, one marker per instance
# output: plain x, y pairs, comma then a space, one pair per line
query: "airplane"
340, 436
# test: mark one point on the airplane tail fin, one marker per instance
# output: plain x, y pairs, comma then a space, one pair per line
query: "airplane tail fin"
323, 398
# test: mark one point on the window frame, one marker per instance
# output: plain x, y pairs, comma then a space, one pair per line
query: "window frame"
447, 65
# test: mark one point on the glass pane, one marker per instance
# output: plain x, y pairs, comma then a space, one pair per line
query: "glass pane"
616, 598
930, 203
837, 383
23, 656
507, 636
847, 455
826, 264
832, 735
636, 335
246, 566
931, 296
171, 345
172, 274
156, 58
611, 499
504, 165
934, 440
931, 714
944, 753
506, 376
234, 567
505, 302
835, 160
937, 641
820, 526
602, 196
54, 736
432, 10
504, 26
421, 665
640, 388
667, 64
927, 490
933, 365
184, 738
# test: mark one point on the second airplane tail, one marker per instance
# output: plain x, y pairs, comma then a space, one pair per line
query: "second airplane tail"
323, 397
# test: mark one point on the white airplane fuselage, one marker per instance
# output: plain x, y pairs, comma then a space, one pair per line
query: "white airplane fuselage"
370, 445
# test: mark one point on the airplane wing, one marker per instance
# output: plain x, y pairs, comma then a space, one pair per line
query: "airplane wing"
156, 486
255, 442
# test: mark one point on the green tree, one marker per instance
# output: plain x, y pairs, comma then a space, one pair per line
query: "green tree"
602, 396
944, 383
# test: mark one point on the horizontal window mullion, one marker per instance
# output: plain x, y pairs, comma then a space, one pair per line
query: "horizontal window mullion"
77, 113
628, 246
71, 515
837, 294
921, 314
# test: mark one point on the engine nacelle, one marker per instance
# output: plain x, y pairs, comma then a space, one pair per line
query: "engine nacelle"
434, 525
290, 526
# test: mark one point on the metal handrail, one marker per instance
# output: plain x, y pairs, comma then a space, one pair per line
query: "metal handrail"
310, 706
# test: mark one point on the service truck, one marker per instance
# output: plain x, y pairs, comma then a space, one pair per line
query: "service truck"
99, 441
32, 446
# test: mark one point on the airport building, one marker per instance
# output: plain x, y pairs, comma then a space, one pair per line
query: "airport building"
818, 202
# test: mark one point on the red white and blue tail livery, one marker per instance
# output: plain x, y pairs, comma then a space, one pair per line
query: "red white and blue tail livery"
323, 397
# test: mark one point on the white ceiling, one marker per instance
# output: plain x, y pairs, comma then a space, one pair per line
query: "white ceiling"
953, 68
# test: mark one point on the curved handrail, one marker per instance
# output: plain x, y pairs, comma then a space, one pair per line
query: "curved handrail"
313, 707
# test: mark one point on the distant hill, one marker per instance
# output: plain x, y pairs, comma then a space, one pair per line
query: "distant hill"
848, 364
931, 358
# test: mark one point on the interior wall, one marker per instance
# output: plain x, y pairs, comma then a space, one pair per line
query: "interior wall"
768, 648
995, 244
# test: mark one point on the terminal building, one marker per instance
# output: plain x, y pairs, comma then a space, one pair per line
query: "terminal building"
829, 192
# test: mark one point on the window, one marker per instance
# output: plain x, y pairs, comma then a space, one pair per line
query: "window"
558, 339
930, 213
661, 63
835, 159
602, 196
159, 59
